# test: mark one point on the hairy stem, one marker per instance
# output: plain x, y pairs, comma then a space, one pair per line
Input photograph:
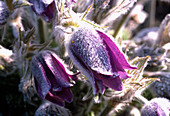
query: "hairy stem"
41, 31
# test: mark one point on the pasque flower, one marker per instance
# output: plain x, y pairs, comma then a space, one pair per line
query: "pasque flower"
98, 58
156, 107
52, 80
44, 8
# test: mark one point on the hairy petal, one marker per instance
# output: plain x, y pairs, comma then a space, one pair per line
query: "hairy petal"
114, 83
100, 86
42, 83
86, 43
115, 50
79, 62
38, 6
44, 8
57, 69
51, 79
48, 15
156, 107
117, 58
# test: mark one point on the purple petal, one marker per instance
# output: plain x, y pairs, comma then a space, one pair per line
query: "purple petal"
156, 107
49, 13
115, 51
74, 1
65, 94
86, 43
100, 86
41, 81
55, 99
117, 59
57, 69
38, 6
84, 68
114, 83
45, 8
74, 76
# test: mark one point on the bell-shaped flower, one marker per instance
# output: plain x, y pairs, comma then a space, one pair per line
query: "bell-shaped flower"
98, 58
156, 107
47, 8
44, 8
52, 80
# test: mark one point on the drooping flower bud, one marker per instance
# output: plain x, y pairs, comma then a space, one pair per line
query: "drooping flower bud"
98, 58
4, 13
44, 8
156, 107
51, 78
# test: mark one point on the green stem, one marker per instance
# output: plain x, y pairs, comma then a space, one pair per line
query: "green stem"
90, 106
41, 31
152, 13
106, 111
4, 32
112, 103
121, 24
87, 11
140, 98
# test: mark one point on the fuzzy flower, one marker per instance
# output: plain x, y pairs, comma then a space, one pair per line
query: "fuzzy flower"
98, 58
44, 8
47, 8
52, 81
156, 107
4, 13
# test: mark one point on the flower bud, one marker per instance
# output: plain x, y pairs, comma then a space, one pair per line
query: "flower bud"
51, 79
156, 107
98, 58
44, 8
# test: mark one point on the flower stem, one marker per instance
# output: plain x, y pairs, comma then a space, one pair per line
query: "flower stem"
41, 31
90, 106
140, 98
106, 110
112, 103
122, 24
4, 32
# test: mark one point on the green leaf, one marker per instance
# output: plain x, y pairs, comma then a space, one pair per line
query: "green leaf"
141, 64
28, 34
137, 80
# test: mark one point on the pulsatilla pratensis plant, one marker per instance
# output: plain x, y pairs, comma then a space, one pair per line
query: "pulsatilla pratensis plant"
98, 58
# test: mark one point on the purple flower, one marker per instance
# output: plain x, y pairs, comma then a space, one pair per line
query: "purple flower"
44, 8
4, 13
156, 107
98, 58
51, 79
